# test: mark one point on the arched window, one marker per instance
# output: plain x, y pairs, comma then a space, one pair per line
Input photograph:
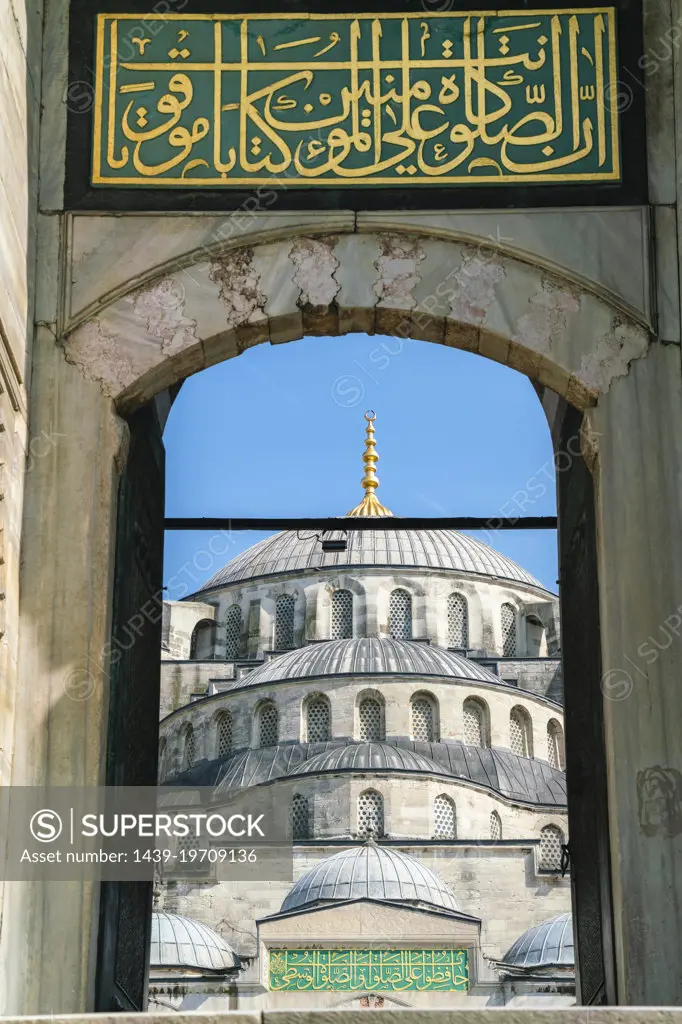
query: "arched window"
202, 643
551, 839
318, 720
555, 744
475, 722
370, 813
400, 615
370, 719
495, 826
233, 632
508, 619
284, 622
535, 638
223, 738
342, 615
520, 732
300, 824
423, 718
189, 752
444, 818
268, 725
162, 756
458, 621
187, 852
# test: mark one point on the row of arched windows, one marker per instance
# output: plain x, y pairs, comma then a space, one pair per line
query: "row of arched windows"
399, 622
370, 823
424, 726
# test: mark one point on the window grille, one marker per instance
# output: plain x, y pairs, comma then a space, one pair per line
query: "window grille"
268, 726
300, 828
495, 826
551, 839
400, 615
318, 720
508, 617
422, 720
342, 615
190, 749
458, 621
554, 745
370, 814
519, 729
233, 630
284, 622
473, 723
185, 861
369, 714
444, 824
224, 734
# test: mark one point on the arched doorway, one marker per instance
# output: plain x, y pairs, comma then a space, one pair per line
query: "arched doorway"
488, 303
569, 336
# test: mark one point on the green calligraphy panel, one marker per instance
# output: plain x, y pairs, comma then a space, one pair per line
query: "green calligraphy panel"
368, 970
332, 99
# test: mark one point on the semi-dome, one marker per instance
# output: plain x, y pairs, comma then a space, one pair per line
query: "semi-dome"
367, 656
549, 944
367, 757
370, 872
522, 779
412, 549
179, 942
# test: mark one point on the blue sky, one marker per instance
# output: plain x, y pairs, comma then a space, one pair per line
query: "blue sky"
280, 430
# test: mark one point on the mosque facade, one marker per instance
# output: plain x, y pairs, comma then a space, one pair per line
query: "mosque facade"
403, 695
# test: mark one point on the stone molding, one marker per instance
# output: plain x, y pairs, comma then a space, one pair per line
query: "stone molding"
462, 295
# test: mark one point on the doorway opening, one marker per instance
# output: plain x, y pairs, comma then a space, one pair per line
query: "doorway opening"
417, 692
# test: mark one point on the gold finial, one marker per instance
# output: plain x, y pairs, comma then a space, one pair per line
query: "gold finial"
370, 505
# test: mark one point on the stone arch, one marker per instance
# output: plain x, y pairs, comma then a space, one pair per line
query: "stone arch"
167, 324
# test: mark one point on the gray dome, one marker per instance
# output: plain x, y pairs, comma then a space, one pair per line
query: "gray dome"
549, 944
179, 942
370, 872
414, 549
522, 779
367, 656
371, 756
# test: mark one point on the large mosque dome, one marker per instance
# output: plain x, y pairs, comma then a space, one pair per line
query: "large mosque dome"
287, 553
370, 872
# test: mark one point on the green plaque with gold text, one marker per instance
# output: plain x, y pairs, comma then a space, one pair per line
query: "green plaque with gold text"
465, 98
368, 970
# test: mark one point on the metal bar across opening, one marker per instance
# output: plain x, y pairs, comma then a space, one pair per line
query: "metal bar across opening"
359, 523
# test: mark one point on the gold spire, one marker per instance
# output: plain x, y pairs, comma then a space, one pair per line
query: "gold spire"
370, 505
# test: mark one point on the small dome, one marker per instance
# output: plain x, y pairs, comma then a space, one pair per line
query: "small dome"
367, 656
370, 872
414, 549
363, 757
180, 942
549, 944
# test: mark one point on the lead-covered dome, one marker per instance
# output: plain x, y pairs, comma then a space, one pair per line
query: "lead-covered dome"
366, 656
178, 942
549, 944
413, 549
370, 872
368, 757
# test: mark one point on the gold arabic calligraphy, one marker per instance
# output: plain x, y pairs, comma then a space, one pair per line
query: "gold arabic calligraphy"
369, 970
331, 99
